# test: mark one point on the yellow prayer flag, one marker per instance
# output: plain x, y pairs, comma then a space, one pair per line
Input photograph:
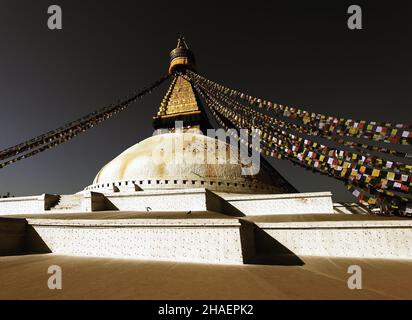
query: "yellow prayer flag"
390, 176
372, 200
375, 173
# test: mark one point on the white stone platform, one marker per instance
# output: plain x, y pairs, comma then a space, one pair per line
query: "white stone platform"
197, 199
202, 240
289, 203
25, 205
339, 235
208, 237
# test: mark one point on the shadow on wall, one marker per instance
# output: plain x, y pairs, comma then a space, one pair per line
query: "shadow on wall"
272, 252
99, 202
216, 203
18, 238
34, 244
12, 236
109, 206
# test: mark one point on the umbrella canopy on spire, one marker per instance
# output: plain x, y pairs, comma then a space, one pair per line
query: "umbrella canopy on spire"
182, 57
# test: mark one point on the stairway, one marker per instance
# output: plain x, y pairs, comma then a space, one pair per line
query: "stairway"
70, 203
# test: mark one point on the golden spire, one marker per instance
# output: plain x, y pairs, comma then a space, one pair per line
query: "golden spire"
180, 102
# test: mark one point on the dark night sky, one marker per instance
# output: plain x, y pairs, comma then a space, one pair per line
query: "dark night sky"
299, 53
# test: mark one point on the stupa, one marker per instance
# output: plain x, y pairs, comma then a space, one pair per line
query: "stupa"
185, 157
179, 195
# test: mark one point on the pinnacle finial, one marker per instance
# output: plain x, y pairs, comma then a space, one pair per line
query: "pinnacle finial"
181, 43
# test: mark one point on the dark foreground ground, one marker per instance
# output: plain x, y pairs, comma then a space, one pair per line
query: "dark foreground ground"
25, 277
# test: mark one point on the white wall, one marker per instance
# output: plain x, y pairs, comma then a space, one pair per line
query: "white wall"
384, 239
192, 240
